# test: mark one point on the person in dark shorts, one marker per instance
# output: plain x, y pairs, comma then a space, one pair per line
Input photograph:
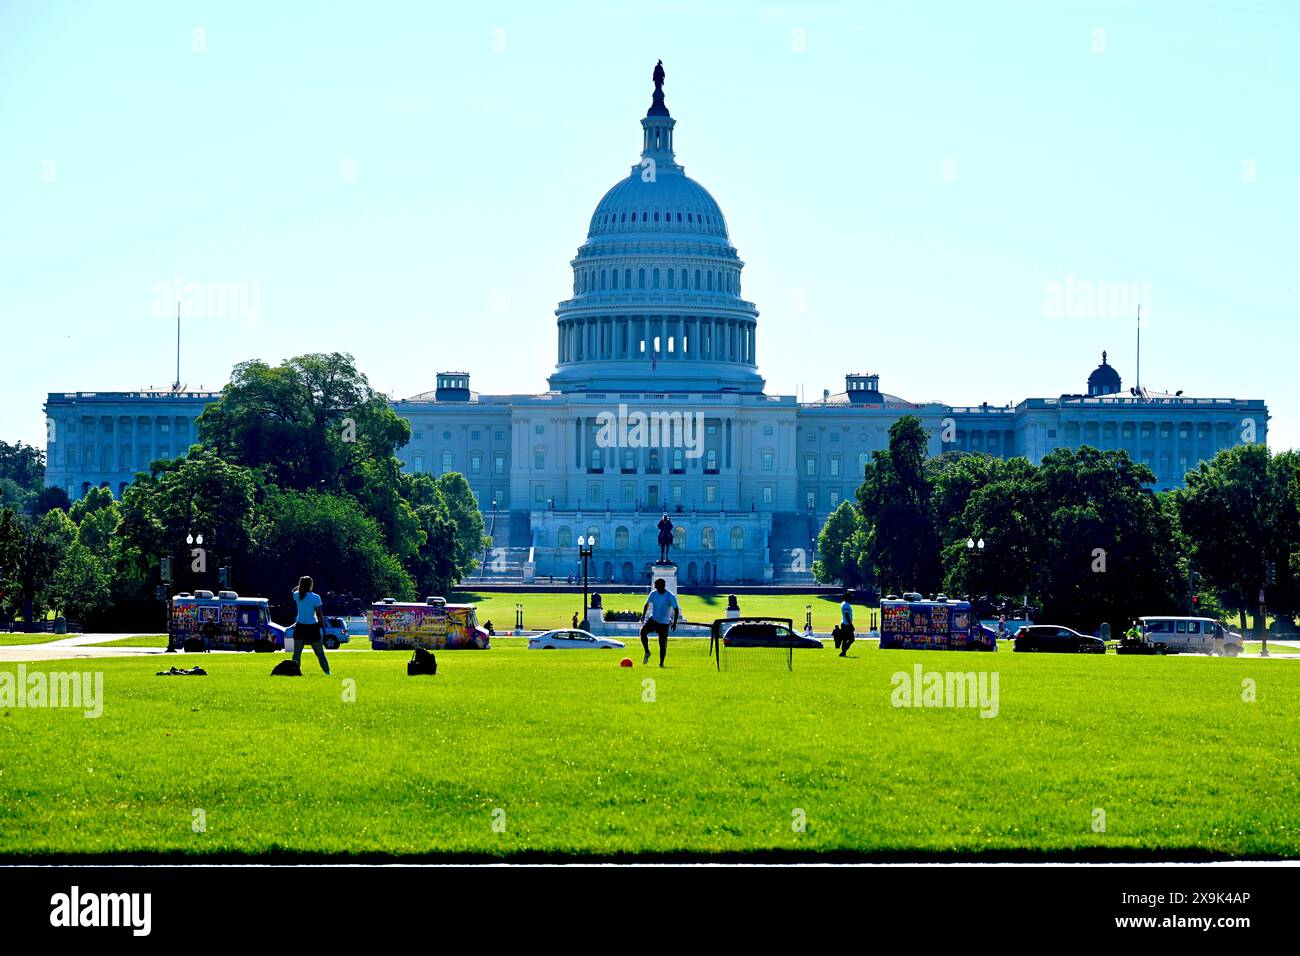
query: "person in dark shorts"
309, 623
846, 626
660, 616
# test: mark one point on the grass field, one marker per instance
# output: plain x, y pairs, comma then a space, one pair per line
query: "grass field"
9, 640
137, 640
569, 753
543, 610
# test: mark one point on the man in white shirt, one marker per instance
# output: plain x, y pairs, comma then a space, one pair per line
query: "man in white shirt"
659, 614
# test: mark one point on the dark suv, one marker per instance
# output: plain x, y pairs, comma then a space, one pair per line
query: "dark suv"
1053, 639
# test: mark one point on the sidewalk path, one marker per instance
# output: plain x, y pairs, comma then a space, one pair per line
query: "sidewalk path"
75, 646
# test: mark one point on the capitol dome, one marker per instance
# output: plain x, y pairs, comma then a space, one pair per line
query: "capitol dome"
656, 301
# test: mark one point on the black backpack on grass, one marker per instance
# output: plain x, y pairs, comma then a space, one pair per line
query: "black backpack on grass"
287, 668
194, 645
421, 662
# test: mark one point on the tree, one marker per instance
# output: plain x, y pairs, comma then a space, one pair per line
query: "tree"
1238, 511
326, 536
198, 494
23, 464
49, 499
96, 516
80, 585
901, 543
30, 551
453, 529
1108, 552
308, 423
999, 504
841, 546
464, 514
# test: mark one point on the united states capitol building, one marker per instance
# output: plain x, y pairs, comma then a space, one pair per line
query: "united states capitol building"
656, 404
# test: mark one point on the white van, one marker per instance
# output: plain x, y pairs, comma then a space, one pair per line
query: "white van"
1191, 635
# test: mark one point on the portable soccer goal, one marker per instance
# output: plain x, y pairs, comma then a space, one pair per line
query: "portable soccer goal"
753, 643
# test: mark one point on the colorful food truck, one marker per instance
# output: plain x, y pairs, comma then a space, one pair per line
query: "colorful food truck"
434, 625
912, 623
222, 622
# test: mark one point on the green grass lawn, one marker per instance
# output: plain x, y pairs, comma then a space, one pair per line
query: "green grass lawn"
567, 751
9, 640
544, 610
136, 640
1254, 647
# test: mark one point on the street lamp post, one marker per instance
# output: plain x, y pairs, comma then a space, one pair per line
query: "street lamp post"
585, 547
974, 548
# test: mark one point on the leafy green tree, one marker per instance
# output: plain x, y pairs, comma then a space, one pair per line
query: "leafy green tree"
999, 503
309, 423
467, 519
198, 494
49, 499
324, 535
96, 516
901, 543
30, 552
80, 586
1108, 551
453, 529
841, 546
1237, 512
23, 464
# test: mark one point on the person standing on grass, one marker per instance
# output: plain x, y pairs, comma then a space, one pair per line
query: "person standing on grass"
846, 625
309, 623
659, 615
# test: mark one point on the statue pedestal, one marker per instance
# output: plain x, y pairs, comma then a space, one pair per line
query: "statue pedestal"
666, 571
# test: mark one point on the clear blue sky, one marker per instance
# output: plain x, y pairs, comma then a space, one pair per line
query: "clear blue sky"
477, 168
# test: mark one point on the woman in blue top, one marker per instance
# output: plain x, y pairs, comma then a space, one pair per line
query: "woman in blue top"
309, 624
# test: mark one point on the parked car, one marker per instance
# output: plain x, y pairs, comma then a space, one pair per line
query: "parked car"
570, 639
1054, 639
766, 634
334, 634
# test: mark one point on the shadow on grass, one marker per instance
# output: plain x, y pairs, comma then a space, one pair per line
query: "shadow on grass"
769, 856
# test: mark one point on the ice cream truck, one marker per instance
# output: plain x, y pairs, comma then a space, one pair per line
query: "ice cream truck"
222, 622
942, 624
434, 625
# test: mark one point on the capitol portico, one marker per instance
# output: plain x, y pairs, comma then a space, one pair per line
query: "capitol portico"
656, 324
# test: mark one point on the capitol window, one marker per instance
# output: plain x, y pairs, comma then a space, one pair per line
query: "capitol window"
707, 538
446, 461
738, 539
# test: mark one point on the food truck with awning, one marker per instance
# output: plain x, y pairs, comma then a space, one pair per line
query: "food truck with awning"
941, 624
222, 622
434, 625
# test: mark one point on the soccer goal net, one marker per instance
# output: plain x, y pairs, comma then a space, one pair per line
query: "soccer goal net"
753, 644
